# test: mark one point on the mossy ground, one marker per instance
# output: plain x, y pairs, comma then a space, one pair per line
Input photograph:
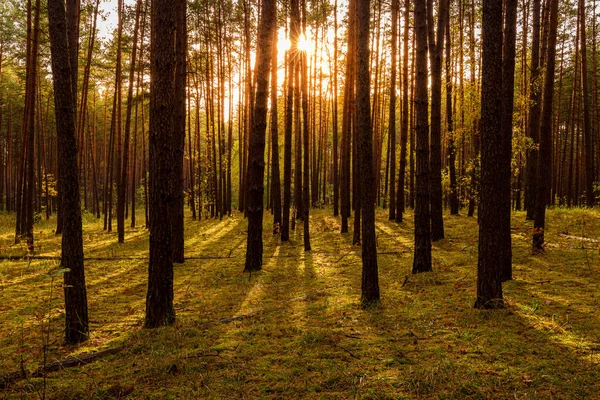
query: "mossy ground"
305, 334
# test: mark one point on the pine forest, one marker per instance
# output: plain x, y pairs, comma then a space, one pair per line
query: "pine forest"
337, 199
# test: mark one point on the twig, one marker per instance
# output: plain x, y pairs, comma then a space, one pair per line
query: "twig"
345, 349
342, 257
216, 354
76, 361
405, 281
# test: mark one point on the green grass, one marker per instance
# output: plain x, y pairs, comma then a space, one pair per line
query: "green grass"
305, 334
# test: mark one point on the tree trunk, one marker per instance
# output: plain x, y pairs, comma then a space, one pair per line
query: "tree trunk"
422, 252
287, 144
545, 152
122, 198
370, 280
453, 195
178, 140
436, 46
587, 128
491, 205
76, 312
534, 114
336, 177
256, 165
508, 94
400, 203
159, 298
276, 180
392, 115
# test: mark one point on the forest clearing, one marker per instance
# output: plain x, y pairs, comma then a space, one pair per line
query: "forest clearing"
297, 328
299, 199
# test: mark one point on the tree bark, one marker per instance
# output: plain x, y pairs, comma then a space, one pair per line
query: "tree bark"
256, 164
489, 284
508, 94
400, 203
587, 128
545, 152
76, 312
159, 298
392, 115
178, 141
534, 114
422, 252
370, 279
436, 46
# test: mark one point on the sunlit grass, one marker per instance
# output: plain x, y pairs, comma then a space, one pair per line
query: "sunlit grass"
304, 333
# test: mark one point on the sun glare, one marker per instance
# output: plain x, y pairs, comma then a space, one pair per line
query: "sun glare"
283, 45
303, 43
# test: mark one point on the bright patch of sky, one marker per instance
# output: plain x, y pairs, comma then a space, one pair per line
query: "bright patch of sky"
108, 23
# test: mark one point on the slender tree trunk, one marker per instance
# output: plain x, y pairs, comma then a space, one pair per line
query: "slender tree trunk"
370, 280
534, 114
287, 151
508, 94
76, 313
587, 128
276, 180
436, 46
336, 177
400, 203
422, 252
122, 198
491, 206
347, 121
392, 115
453, 195
178, 141
545, 152
305, 139
163, 65
256, 165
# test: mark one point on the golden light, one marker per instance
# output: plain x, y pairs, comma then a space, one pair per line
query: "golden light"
283, 45
303, 43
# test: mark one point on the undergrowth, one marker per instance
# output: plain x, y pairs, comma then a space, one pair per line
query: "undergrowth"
301, 331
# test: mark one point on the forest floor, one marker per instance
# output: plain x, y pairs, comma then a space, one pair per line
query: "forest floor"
299, 330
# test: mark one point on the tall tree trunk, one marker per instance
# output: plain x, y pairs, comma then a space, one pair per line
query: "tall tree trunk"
587, 128
76, 312
545, 152
178, 141
400, 203
370, 279
122, 198
422, 252
335, 155
287, 144
159, 298
453, 195
276, 180
305, 137
436, 46
256, 165
347, 120
392, 115
534, 114
491, 206
508, 94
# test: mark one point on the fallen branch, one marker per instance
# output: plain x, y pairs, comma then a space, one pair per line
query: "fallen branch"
8, 379
73, 361
200, 355
345, 349
582, 238
76, 361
